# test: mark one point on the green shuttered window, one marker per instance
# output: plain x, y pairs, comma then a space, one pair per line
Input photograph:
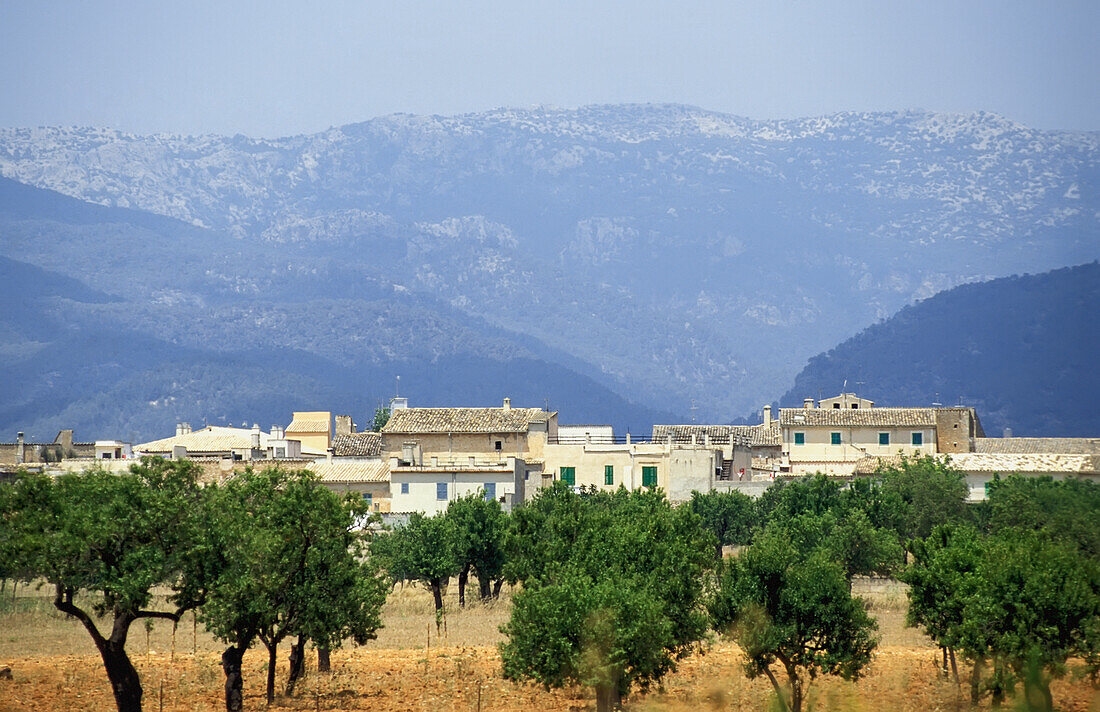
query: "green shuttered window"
884, 438
569, 475
649, 475
834, 438
609, 474
800, 438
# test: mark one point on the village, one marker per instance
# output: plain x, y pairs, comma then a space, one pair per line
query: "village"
421, 459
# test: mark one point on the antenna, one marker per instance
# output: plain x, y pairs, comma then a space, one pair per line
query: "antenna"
397, 388
844, 388
693, 409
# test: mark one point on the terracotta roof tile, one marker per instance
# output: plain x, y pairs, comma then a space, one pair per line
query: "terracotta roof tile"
464, 420
347, 471
754, 435
366, 444
1026, 446
863, 417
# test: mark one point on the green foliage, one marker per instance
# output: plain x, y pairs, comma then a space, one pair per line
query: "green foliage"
1066, 511
1025, 602
932, 491
479, 527
288, 563
115, 537
381, 417
612, 584
784, 604
729, 516
851, 525
424, 550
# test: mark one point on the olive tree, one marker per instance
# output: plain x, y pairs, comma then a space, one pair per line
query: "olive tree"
783, 604
479, 527
729, 516
290, 565
112, 538
611, 594
424, 551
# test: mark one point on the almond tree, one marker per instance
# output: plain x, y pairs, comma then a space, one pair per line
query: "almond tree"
790, 607
109, 539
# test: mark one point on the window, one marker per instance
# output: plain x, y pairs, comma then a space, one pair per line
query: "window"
836, 405
367, 497
918, 439
834, 438
855, 405
496, 445
800, 438
404, 488
884, 438
569, 475
441, 490
490, 491
609, 474
649, 476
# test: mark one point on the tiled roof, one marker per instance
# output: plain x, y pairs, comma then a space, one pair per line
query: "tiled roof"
1008, 463
212, 438
367, 444
1027, 446
998, 462
755, 435
308, 425
345, 471
464, 420
868, 417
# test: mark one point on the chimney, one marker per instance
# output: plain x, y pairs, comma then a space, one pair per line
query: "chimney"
1007, 432
399, 403
20, 449
276, 432
185, 428
767, 416
179, 429
507, 404
344, 425
808, 403
255, 436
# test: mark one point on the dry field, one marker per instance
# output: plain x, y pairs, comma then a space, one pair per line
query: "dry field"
55, 667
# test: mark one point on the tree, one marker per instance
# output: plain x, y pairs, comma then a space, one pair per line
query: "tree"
782, 604
940, 578
423, 550
611, 592
1066, 510
381, 417
1034, 603
729, 516
114, 536
479, 526
932, 491
290, 565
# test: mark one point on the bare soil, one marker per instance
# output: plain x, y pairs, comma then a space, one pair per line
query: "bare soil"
410, 667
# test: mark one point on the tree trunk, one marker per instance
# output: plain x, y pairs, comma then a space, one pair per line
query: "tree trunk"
437, 595
463, 577
608, 698
943, 667
496, 588
324, 663
796, 693
954, 665
1037, 693
125, 682
297, 664
234, 681
272, 650
485, 588
976, 681
778, 690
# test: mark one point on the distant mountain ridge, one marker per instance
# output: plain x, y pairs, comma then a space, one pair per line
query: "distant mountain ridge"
680, 257
1022, 350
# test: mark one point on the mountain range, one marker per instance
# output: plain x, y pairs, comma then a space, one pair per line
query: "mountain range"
662, 255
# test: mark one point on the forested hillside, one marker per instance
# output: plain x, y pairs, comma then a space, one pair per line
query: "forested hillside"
1023, 350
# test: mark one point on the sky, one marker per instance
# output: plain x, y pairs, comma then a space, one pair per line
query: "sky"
272, 68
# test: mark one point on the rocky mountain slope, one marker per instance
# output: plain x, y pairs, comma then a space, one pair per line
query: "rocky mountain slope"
186, 324
684, 256
1021, 349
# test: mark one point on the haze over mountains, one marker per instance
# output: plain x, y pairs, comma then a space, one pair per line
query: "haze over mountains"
659, 255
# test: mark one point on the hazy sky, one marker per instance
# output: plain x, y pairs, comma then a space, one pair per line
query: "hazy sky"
275, 68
